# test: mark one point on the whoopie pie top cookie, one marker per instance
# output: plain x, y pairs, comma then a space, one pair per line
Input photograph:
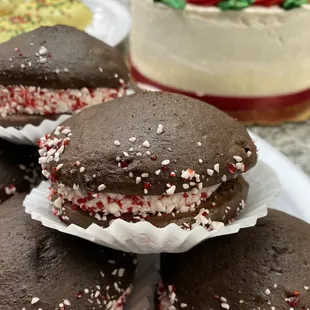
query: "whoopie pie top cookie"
264, 267
55, 70
150, 144
46, 269
19, 169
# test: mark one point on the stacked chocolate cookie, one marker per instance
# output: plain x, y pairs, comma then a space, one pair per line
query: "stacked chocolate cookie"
45, 269
156, 157
19, 169
56, 70
265, 267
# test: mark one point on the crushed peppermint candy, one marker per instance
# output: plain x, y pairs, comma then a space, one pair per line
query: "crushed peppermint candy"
146, 144
18, 99
10, 190
104, 204
34, 300
267, 291
171, 190
160, 129
51, 147
188, 174
116, 143
165, 162
101, 187
210, 172
238, 159
225, 305
217, 168
103, 297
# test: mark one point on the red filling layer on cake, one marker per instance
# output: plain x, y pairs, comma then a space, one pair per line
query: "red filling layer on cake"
255, 2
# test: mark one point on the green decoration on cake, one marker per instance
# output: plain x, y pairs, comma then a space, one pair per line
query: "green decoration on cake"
226, 5
291, 4
175, 4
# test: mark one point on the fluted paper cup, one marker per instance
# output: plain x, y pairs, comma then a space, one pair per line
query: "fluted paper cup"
144, 238
30, 134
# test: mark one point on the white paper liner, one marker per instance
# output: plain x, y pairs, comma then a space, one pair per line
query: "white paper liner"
147, 276
30, 134
144, 238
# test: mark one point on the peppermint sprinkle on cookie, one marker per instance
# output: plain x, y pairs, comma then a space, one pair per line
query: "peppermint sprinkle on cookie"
160, 129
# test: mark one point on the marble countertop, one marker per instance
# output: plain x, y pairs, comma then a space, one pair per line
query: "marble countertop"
293, 140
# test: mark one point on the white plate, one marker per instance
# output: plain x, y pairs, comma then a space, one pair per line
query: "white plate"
295, 193
111, 21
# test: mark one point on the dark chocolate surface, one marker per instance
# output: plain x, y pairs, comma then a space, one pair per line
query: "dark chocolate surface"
54, 267
257, 268
19, 168
185, 121
226, 206
82, 60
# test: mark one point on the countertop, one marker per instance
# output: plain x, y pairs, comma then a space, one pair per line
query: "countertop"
293, 140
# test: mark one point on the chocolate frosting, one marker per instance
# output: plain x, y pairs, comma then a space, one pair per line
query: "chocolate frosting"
257, 268
19, 168
195, 136
82, 60
54, 267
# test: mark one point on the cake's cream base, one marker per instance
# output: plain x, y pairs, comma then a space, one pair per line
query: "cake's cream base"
254, 52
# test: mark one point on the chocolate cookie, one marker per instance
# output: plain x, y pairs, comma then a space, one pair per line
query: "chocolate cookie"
45, 269
145, 155
56, 70
265, 267
19, 169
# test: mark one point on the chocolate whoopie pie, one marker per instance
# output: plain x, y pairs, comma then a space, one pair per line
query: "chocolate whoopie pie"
264, 267
56, 70
150, 156
45, 269
19, 169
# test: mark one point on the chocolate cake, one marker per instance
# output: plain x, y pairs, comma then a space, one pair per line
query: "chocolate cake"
149, 156
19, 169
265, 267
56, 70
45, 269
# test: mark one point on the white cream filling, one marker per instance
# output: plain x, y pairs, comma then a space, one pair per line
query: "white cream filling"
35, 100
118, 204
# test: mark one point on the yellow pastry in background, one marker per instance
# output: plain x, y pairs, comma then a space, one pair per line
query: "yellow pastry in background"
6, 7
11, 26
7, 31
67, 12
